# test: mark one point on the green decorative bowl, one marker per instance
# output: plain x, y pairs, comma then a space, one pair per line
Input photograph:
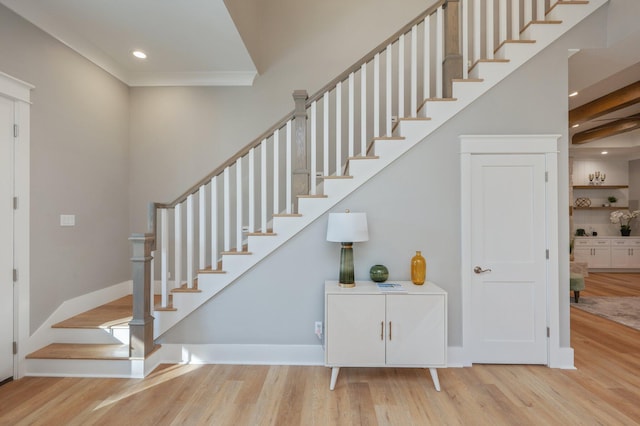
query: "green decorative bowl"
379, 273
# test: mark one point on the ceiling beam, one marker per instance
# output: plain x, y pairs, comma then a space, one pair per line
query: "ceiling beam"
610, 129
614, 101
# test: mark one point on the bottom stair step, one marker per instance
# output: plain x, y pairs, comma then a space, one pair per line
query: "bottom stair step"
81, 351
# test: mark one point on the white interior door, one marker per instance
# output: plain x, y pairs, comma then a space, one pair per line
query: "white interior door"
6, 237
508, 293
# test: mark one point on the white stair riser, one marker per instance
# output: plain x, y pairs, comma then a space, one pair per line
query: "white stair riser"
81, 368
90, 335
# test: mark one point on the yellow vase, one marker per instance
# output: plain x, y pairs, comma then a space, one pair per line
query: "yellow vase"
418, 269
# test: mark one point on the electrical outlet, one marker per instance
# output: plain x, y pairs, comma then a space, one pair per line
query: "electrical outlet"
318, 329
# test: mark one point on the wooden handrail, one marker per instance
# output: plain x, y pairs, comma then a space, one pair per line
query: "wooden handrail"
369, 56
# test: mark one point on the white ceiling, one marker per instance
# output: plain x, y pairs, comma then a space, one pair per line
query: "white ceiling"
195, 42
188, 42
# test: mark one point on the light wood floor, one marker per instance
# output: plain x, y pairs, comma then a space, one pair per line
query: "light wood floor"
604, 390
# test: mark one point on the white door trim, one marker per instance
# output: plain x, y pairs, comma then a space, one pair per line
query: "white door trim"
20, 92
513, 144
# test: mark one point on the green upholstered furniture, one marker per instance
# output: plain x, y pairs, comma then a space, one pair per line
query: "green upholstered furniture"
576, 283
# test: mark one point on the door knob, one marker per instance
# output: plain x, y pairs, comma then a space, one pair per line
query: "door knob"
479, 270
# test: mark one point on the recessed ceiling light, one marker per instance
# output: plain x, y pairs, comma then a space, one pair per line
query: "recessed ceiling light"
604, 152
139, 54
572, 94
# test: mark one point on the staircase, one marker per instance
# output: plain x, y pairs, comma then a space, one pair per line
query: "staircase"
248, 207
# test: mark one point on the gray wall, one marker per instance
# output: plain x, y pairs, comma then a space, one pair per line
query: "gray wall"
79, 149
414, 204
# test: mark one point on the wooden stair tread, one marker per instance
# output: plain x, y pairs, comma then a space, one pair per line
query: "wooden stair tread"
82, 351
335, 177
116, 313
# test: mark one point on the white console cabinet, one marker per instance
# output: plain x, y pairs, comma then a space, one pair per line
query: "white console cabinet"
368, 328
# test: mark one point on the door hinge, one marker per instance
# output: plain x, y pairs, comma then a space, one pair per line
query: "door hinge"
16, 130
548, 332
546, 176
547, 253
15, 348
15, 203
15, 275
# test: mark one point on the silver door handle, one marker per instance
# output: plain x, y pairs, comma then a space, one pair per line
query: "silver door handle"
479, 270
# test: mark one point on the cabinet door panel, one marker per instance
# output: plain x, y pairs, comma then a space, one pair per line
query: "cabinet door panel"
601, 258
621, 257
415, 330
355, 327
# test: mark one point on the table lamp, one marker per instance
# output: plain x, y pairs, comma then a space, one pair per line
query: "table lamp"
347, 228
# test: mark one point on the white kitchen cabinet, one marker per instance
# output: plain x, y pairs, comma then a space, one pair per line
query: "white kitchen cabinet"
625, 253
608, 252
368, 328
595, 252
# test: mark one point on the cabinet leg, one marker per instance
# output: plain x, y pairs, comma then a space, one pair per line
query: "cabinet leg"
334, 377
434, 377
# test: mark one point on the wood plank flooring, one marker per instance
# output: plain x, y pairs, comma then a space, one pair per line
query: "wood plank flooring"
604, 390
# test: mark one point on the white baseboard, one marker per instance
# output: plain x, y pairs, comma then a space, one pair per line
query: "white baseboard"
564, 359
456, 357
243, 354
43, 335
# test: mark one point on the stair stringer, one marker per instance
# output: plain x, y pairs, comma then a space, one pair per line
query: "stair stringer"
386, 151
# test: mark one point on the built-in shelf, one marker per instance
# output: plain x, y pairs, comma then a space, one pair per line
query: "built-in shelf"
603, 208
600, 186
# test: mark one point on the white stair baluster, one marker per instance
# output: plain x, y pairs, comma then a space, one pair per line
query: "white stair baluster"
426, 59
177, 219
325, 134
152, 273
164, 257
414, 71
352, 123
263, 185
389, 102
226, 216
202, 228
464, 33
339, 129
214, 222
252, 191
312, 148
489, 30
502, 21
477, 31
363, 110
439, 50
540, 10
528, 12
276, 171
376, 95
190, 241
401, 77
515, 20
289, 168
239, 206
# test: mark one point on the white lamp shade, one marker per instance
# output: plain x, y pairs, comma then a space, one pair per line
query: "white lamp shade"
347, 227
